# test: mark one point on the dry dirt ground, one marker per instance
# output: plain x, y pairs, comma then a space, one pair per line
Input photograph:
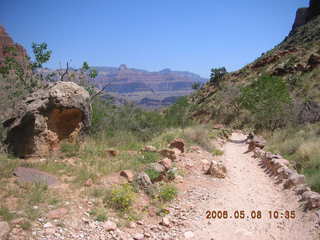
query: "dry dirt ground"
246, 188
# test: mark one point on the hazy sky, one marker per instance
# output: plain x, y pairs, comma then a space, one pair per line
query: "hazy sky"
193, 35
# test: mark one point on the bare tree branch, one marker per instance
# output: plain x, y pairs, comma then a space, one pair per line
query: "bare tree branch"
66, 71
101, 91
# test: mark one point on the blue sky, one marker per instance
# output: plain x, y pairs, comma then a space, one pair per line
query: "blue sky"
193, 35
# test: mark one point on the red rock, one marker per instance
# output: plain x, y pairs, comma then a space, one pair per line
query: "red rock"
169, 153
88, 183
149, 149
178, 143
112, 152
127, 174
166, 162
5, 42
57, 213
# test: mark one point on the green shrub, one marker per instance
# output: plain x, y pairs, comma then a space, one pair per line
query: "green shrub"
177, 115
70, 149
217, 152
267, 99
6, 214
167, 192
26, 225
148, 157
199, 135
153, 174
301, 147
7, 165
99, 214
120, 198
153, 190
36, 193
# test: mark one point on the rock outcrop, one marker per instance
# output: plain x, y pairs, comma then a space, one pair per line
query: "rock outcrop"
6, 42
60, 111
304, 15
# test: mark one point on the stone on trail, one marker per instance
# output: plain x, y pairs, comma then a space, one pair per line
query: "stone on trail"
166, 162
112, 152
127, 174
4, 230
57, 213
143, 179
149, 149
169, 153
177, 143
188, 235
138, 236
217, 170
59, 111
294, 180
30, 175
165, 222
109, 226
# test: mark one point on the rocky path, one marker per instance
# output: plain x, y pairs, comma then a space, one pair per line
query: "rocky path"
247, 188
239, 206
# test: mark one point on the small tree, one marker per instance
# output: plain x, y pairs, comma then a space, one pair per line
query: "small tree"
196, 85
21, 76
267, 99
217, 75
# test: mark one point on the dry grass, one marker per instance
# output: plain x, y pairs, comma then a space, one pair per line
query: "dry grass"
302, 148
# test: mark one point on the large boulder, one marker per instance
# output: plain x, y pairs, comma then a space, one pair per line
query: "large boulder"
59, 111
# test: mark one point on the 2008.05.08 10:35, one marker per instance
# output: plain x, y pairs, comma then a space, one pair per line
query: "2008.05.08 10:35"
255, 214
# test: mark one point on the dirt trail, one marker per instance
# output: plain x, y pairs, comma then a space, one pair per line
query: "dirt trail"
247, 187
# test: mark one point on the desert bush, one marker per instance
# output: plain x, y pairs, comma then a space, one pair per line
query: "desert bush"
109, 120
69, 149
217, 152
99, 213
177, 115
36, 193
5, 214
268, 100
7, 165
167, 192
26, 225
153, 174
120, 197
301, 148
199, 135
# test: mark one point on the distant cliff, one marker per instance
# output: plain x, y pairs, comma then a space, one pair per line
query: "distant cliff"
304, 15
10, 49
130, 80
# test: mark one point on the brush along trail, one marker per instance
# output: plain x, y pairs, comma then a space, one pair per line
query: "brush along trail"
247, 204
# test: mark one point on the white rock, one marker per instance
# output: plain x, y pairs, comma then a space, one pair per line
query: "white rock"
138, 236
109, 226
188, 235
4, 230
165, 222
48, 225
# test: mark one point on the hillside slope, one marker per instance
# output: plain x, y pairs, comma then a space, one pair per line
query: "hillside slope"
296, 60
